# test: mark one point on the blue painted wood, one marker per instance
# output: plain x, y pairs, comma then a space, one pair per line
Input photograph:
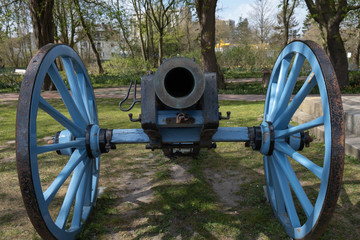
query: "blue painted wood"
279, 109
287, 169
74, 160
76, 130
74, 86
59, 146
231, 134
303, 127
224, 134
71, 193
122, 136
70, 104
82, 109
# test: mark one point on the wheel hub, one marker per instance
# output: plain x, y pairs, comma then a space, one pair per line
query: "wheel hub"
64, 137
268, 138
98, 140
262, 138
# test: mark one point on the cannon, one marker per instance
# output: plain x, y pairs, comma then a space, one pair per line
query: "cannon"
179, 114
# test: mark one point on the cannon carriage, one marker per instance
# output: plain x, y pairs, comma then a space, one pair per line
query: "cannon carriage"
179, 113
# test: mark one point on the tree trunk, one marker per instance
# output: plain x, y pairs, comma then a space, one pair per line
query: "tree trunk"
42, 20
338, 55
285, 22
41, 12
286, 36
138, 16
357, 52
161, 42
206, 13
152, 47
188, 38
125, 36
323, 39
88, 34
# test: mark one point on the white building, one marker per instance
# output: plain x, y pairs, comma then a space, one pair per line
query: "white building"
105, 46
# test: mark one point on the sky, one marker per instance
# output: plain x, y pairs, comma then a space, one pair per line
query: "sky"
233, 9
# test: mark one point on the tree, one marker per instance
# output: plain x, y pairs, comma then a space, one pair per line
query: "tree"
87, 28
42, 20
352, 23
314, 31
160, 14
187, 25
41, 12
224, 30
66, 22
286, 18
262, 19
15, 37
329, 14
205, 10
139, 16
243, 32
118, 16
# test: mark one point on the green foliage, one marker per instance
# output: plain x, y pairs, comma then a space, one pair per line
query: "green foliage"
121, 71
244, 88
194, 54
9, 82
237, 72
257, 88
354, 83
248, 57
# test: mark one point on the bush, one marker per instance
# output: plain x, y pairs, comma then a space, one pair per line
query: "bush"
236, 72
354, 83
10, 82
247, 57
121, 71
194, 54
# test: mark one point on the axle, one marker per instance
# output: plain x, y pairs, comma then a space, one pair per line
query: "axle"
261, 138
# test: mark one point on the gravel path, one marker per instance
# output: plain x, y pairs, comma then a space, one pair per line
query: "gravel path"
120, 93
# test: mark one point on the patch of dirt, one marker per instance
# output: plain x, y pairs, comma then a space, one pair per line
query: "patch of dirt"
179, 174
11, 158
226, 184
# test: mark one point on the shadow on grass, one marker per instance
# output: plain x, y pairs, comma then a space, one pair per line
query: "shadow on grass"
189, 210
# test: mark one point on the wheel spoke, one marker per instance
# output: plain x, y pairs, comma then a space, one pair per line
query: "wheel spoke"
74, 85
72, 127
267, 112
81, 197
78, 143
95, 173
284, 68
284, 164
290, 84
279, 200
293, 130
285, 148
74, 160
283, 120
84, 94
285, 194
71, 192
75, 114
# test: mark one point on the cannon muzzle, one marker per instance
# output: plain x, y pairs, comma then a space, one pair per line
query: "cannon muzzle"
179, 83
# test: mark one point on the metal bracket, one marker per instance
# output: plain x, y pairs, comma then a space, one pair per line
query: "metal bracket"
127, 96
136, 119
228, 113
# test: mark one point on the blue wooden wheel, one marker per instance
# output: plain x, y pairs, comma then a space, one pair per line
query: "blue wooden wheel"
58, 202
302, 190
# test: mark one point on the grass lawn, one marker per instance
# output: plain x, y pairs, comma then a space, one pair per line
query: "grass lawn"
217, 195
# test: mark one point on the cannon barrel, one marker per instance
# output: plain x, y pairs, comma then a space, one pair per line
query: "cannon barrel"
179, 83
